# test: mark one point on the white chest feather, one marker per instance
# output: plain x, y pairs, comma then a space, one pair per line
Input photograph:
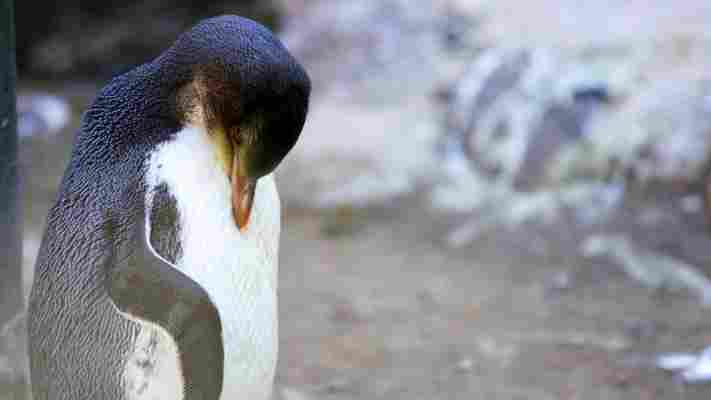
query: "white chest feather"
237, 269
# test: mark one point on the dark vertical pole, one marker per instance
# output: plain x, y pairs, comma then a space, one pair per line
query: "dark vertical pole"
11, 299
12, 348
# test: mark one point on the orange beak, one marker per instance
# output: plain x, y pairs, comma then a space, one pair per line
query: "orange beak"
242, 195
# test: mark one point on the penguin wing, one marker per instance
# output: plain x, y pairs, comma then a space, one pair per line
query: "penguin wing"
147, 287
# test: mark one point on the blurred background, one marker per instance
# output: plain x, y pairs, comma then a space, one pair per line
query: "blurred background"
490, 199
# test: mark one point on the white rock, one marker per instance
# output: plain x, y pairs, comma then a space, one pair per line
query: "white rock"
700, 371
652, 269
691, 368
41, 114
676, 361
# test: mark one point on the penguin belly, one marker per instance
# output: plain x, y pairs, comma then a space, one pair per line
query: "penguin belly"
237, 269
153, 369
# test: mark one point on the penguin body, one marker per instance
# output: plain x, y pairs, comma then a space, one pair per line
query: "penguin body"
157, 274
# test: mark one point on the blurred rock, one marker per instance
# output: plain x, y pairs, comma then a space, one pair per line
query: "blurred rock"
345, 42
499, 206
359, 155
534, 132
535, 120
370, 136
660, 133
676, 361
41, 114
691, 368
514, 116
652, 269
13, 351
517, 110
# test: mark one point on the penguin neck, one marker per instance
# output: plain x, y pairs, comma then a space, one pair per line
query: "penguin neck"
188, 166
129, 116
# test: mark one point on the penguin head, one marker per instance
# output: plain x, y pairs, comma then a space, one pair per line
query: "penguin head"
233, 77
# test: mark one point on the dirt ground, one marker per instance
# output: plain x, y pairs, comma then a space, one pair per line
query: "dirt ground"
375, 306
383, 310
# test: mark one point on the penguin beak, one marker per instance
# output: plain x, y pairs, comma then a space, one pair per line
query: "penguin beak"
243, 184
242, 193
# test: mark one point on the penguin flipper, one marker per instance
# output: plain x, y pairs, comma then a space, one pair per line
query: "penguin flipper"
147, 287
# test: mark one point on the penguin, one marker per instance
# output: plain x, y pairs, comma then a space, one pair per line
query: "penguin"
157, 273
